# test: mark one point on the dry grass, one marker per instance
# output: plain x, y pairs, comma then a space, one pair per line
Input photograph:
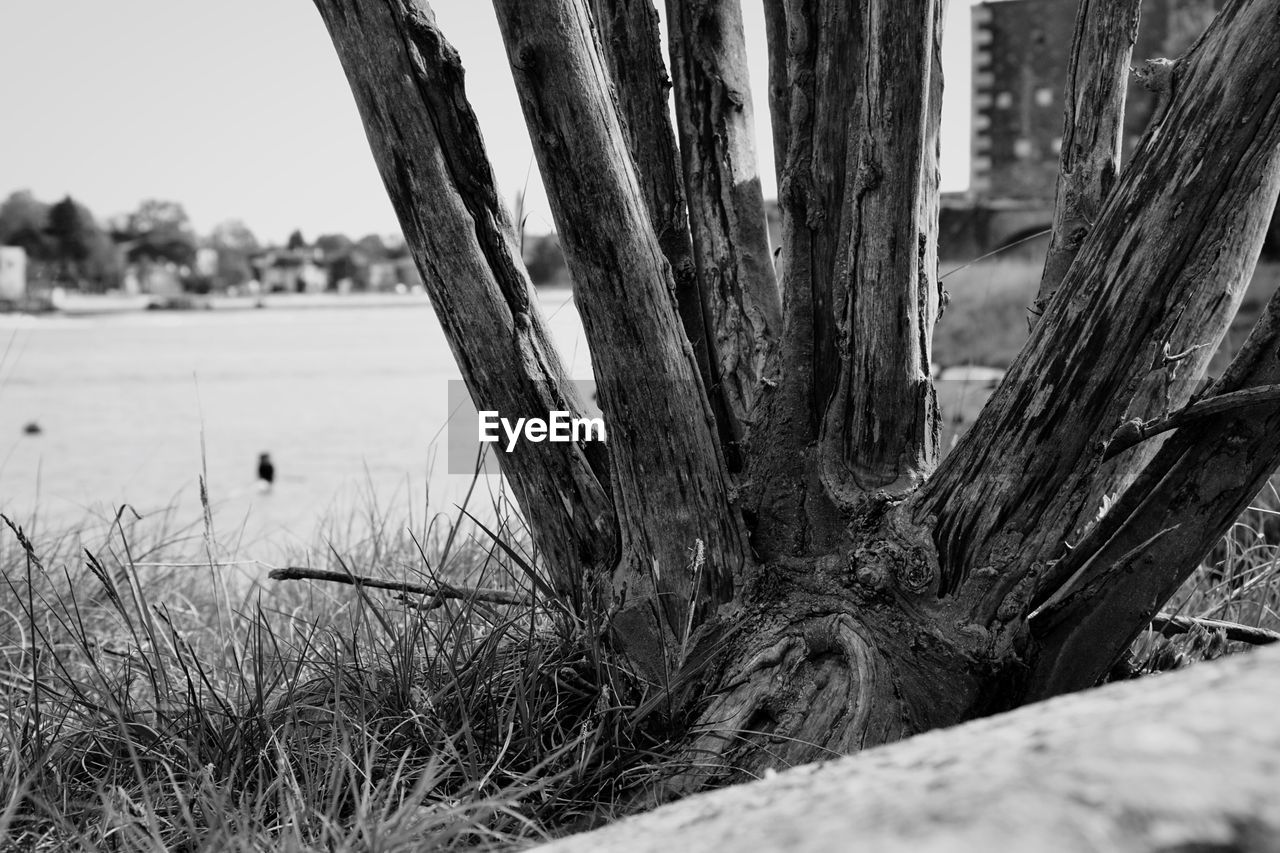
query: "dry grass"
147, 705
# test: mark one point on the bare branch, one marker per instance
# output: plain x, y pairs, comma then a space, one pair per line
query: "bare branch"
775, 22
1170, 623
1097, 81
438, 591
631, 43
1165, 266
726, 204
408, 84
1136, 431
667, 474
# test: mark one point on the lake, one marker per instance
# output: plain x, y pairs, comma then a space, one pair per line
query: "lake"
351, 403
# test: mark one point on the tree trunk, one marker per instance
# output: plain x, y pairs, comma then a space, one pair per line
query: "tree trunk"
786, 569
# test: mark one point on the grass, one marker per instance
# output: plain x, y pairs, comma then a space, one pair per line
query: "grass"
149, 701
145, 705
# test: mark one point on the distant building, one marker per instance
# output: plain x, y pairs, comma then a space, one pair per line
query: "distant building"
1021, 53
13, 272
291, 271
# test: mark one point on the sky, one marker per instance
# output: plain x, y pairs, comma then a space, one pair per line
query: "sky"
239, 110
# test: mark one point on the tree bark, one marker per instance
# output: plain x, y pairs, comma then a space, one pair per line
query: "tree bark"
408, 85
1152, 540
631, 44
668, 478
1154, 288
726, 212
1092, 135
1182, 761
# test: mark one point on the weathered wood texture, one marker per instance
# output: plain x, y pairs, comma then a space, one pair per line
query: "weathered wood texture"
821, 48
716, 124
1097, 80
1151, 541
1160, 275
775, 22
1182, 761
668, 479
631, 44
408, 85
855, 414
880, 430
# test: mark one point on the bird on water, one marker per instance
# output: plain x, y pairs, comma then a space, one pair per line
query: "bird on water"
266, 472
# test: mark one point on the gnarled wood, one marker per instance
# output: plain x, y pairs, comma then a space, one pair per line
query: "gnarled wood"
1182, 761
1161, 274
668, 478
408, 84
726, 204
1097, 80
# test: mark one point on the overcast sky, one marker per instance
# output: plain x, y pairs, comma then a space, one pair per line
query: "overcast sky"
239, 109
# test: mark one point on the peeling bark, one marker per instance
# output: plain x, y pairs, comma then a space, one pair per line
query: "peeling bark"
668, 479
408, 84
1182, 761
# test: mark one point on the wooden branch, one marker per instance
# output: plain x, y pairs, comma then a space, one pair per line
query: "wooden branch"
1134, 432
1097, 81
408, 84
1180, 761
631, 44
716, 123
1165, 266
1169, 623
775, 23
438, 591
668, 477
1197, 485
880, 431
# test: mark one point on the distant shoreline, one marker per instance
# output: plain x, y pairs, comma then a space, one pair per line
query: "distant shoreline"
95, 304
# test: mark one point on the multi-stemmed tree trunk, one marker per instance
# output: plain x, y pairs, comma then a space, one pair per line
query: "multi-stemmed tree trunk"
769, 531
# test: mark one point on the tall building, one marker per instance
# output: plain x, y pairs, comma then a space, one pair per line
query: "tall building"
1021, 50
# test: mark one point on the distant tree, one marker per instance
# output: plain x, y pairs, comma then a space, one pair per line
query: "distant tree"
235, 245
334, 245
352, 266
160, 230
23, 219
83, 254
234, 235
71, 229
296, 241
373, 247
